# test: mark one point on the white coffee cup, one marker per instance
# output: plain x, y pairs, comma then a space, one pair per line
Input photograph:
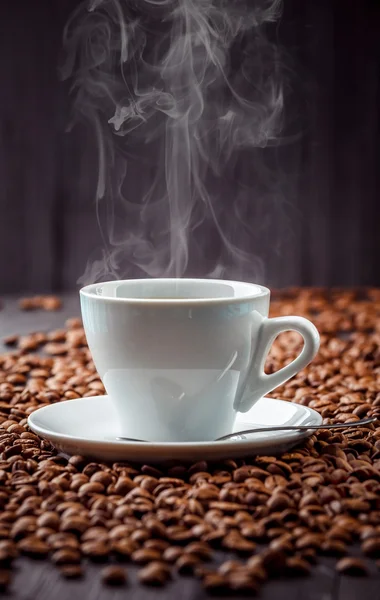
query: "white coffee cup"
180, 357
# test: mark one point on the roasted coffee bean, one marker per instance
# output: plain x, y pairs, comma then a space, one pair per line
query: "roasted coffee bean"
63, 540
233, 540
215, 583
297, 566
123, 485
256, 568
140, 535
71, 571
5, 579
155, 573
114, 575
74, 524
34, 547
159, 545
123, 548
308, 554
49, 519
282, 544
172, 553
99, 534
66, 556
371, 546
187, 563
273, 561
241, 581
8, 549
102, 477
352, 566
120, 532
199, 549
95, 550
155, 528
145, 555
228, 566
11, 340
333, 547
309, 540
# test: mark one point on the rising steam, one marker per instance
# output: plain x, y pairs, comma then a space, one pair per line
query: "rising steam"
174, 89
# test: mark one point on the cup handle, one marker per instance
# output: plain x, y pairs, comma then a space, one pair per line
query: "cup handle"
259, 383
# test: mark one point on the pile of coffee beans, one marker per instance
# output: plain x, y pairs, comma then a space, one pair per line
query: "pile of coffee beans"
269, 515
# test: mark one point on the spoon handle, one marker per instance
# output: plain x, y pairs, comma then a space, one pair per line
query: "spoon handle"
298, 428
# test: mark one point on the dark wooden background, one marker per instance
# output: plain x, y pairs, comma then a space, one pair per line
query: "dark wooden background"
326, 231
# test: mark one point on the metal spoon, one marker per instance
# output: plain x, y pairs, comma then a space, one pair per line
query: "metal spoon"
238, 434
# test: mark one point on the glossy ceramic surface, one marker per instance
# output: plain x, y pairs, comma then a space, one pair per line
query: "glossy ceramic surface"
90, 426
181, 357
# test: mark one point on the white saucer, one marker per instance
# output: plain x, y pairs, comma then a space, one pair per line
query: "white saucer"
87, 426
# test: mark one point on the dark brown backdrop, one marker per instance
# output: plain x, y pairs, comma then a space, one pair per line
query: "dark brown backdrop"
329, 176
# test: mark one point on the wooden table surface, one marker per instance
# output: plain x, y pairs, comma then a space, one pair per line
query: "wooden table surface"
39, 580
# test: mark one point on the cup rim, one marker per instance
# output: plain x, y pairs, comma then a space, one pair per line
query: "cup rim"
260, 292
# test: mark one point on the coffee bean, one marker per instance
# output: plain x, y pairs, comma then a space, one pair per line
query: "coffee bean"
179, 534
66, 556
11, 340
5, 579
119, 532
34, 547
279, 502
254, 531
113, 575
123, 485
50, 303
282, 544
8, 549
101, 477
241, 581
49, 519
140, 535
145, 555
155, 528
172, 553
63, 540
95, 533
159, 545
273, 561
155, 573
226, 507
123, 548
297, 566
309, 540
256, 568
187, 563
233, 540
371, 546
215, 583
228, 566
95, 550
71, 571
333, 547
351, 566
90, 488
152, 471
199, 549
74, 524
